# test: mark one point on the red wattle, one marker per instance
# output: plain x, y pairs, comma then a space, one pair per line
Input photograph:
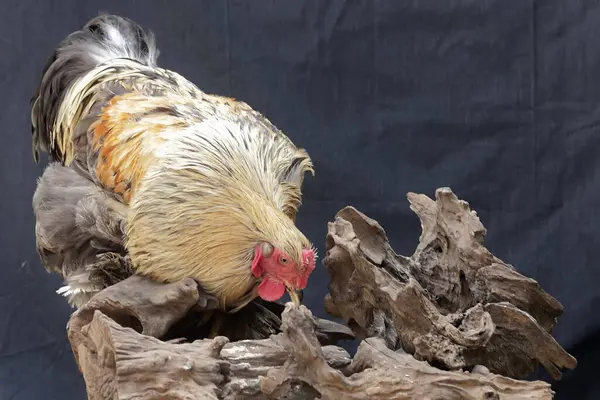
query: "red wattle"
270, 290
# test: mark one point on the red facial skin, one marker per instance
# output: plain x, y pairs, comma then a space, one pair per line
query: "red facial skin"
278, 269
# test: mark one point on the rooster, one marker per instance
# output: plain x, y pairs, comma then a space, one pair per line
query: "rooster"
150, 175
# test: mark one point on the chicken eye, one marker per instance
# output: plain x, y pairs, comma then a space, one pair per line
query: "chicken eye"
283, 260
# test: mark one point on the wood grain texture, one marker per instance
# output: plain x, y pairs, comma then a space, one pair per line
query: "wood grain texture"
120, 363
450, 322
452, 303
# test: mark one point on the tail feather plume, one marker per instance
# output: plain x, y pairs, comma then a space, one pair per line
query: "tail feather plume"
104, 38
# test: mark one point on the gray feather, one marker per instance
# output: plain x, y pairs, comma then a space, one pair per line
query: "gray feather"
79, 232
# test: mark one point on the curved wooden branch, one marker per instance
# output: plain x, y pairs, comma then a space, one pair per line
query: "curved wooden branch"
453, 303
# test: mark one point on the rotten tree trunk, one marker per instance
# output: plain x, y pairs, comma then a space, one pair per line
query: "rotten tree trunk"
452, 304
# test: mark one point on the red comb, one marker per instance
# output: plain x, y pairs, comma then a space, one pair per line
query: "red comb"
308, 260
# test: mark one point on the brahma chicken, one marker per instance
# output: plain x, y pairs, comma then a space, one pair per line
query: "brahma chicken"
150, 175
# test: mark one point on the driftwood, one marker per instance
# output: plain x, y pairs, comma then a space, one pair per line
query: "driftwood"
119, 363
453, 303
433, 326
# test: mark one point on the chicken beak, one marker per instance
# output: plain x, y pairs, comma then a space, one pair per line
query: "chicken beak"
293, 296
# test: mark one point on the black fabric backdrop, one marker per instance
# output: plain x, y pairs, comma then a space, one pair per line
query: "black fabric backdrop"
498, 99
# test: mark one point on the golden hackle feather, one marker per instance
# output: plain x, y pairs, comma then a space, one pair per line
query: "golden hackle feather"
224, 202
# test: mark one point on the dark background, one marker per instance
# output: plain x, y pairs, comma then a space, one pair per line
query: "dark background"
499, 100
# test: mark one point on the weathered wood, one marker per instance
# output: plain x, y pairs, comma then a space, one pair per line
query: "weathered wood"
452, 303
434, 325
120, 363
